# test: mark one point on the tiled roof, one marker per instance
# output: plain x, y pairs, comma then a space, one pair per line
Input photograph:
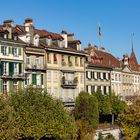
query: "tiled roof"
41, 33
133, 64
108, 59
104, 58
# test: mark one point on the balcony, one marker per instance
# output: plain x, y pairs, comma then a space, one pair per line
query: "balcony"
70, 63
36, 67
69, 83
13, 76
63, 63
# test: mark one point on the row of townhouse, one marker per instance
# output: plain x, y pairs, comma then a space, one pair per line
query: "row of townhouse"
106, 72
46, 60
57, 64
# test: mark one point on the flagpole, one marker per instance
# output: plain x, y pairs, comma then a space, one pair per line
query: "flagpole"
99, 35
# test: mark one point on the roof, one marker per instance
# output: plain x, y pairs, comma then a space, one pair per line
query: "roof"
133, 64
104, 58
41, 33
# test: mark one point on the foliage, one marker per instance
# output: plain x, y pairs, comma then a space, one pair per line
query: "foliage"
100, 136
109, 104
33, 114
86, 113
130, 121
110, 137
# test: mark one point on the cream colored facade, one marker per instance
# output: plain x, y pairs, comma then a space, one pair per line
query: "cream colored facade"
98, 77
65, 74
35, 67
125, 82
11, 66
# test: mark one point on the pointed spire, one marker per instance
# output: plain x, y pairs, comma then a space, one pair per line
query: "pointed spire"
132, 36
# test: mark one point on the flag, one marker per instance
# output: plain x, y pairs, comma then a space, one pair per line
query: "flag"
99, 31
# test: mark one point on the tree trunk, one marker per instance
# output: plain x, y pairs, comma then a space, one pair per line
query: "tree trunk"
112, 118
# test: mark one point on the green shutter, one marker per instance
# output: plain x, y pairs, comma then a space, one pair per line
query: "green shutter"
20, 68
1, 85
34, 79
1, 68
2, 49
41, 79
11, 68
19, 51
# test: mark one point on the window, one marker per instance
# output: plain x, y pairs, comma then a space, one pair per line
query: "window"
15, 69
82, 78
48, 76
14, 51
27, 60
49, 90
15, 85
55, 76
27, 79
55, 91
37, 62
4, 86
4, 50
76, 61
4, 68
48, 57
42, 80
34, 81
81, 62
55, 58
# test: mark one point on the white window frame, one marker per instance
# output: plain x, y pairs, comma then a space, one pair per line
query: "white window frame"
15, 51
28, 60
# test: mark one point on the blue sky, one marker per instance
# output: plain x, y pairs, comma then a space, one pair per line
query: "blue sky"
118, 20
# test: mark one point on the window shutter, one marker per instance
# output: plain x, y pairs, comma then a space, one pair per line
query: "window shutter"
19, 51
2, 49
20, 68
34, 79
41, 79
11, 68
1, 85
10, 50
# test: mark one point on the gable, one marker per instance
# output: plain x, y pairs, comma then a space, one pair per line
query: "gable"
126, 69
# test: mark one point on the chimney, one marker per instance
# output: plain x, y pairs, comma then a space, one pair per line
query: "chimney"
125, 59
65, 41
28, 25
7, 25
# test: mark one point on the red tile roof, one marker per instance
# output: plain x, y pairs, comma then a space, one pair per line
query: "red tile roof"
133, 64
103, 58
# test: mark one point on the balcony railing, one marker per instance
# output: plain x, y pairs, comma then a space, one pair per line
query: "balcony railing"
13, 76
35, 67
69, 83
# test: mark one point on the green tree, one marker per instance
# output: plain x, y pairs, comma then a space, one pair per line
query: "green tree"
100, 136
129, 120
33, 114
110, 137
86, 114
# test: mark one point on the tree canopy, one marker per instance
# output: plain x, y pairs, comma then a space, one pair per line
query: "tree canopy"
86, 113
130, 121
30, 113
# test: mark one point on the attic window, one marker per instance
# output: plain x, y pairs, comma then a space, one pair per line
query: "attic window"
15, 37
5, 36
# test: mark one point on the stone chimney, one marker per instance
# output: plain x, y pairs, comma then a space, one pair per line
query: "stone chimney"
28, 25
7, 25
125, 59
65, 41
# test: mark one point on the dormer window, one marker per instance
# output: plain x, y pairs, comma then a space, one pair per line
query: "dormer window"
15, 37
5, 36
48, 41
28, 38
36, 40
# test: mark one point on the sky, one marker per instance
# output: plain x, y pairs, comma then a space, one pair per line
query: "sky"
118, 20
